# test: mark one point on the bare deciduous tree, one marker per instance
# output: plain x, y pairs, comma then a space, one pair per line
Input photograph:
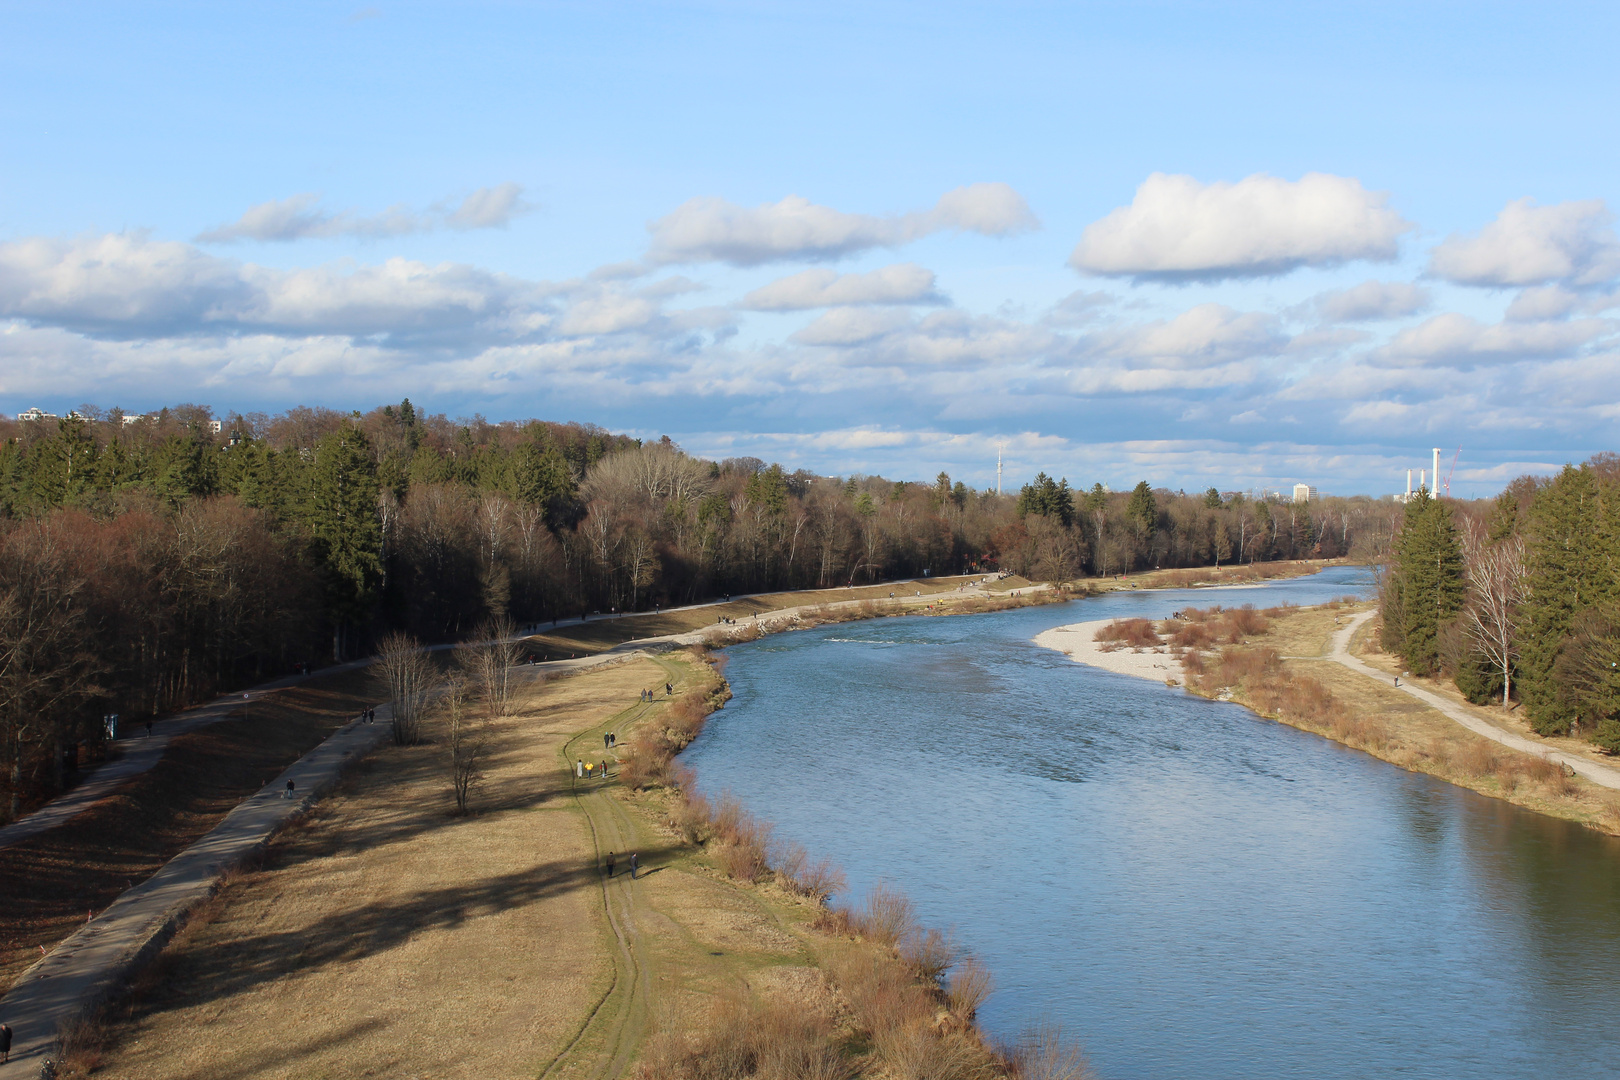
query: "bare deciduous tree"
408, 674
487, 661
1496, 588
467, 738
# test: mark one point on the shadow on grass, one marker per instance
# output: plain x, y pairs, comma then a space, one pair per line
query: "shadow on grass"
231, 1066
216, 971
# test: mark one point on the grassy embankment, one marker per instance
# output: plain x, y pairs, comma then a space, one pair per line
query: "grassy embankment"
383, 916
1276, 663
814, 607
923, 596
56, 881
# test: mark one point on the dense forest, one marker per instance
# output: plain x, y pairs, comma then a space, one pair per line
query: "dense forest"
149, 562
1517, 599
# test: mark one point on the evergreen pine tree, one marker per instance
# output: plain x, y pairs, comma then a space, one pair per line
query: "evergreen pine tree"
1431, 580
343, 522
1568, 573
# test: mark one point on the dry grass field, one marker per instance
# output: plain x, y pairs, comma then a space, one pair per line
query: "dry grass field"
387, 937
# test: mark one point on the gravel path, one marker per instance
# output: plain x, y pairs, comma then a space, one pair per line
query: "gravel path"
1598, 774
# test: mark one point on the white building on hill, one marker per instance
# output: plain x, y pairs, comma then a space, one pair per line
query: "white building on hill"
1304, 493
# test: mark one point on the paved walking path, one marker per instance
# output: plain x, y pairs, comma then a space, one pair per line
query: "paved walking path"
139, 753
92, 964
1598, 774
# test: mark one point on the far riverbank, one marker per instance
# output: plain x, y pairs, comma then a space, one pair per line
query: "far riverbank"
1285, 673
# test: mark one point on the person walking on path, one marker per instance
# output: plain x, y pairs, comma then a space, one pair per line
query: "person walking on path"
5, 1043
607, 740
610, 859
149, 729
634, 862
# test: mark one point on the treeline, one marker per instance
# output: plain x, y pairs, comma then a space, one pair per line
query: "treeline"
179, 555
1518, 598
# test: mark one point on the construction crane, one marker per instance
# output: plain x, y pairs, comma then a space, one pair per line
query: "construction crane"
1451, 470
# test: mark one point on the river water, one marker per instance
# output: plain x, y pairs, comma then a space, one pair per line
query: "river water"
1189, 890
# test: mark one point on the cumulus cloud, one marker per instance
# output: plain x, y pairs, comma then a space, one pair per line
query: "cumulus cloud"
1178, 229
901, 283
128, 285
852, 326
1205, 335
710, 229
1455, 339
1079, 308
1569, 242
1545, 302
1371, 301
299, 217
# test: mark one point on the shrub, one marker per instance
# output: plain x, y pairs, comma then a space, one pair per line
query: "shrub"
744, 1036
1135, 633
968, 988
886, 916
929, 953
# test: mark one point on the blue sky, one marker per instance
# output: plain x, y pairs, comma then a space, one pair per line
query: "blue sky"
1230, 244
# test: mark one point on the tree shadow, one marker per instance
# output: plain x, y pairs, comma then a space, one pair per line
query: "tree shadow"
230, 1066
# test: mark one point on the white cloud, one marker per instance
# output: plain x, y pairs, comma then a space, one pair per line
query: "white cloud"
1544, 302
1376, 412
852, 326
1457, 339
1205, 335
607, 312
127, 285
1568, 242
1371, 301
488, 208
901, 283
710, 229
1177, 228
119, 279
299, 217
1079, 308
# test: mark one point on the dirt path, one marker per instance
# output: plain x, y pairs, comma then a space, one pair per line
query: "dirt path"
1340, 654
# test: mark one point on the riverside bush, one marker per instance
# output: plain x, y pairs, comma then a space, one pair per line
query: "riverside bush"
1127, 633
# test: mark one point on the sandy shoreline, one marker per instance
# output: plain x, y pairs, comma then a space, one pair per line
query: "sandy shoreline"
1078, 642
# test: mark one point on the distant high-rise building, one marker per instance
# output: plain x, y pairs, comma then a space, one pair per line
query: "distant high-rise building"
1304, 493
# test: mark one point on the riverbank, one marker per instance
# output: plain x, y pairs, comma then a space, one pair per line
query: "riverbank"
384, 915
1283, 670
726, 621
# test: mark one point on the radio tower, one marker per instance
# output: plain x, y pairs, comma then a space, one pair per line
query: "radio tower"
998, 467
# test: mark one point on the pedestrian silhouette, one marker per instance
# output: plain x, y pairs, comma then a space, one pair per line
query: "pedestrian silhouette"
610, 864
634, 861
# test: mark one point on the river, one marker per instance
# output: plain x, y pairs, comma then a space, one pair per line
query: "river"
1189, 890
